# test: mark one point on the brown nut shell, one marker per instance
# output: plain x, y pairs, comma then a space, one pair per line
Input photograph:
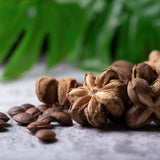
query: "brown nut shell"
64, 86
46, 89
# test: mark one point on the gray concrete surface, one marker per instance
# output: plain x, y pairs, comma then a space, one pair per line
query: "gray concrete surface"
76, 142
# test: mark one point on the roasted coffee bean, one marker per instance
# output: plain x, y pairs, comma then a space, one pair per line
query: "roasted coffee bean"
35, 126
45, 135
57, 107
50, 110
43, 107
15, 110
45, 118
33, 111
2, 123
65, 110
62, 118
24, 118
4, 117
27, 106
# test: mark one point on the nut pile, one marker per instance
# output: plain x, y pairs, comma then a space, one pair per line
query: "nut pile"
38, 119
122, 91
144, 92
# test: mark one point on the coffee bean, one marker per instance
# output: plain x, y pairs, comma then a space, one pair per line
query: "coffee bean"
35, 126
62, 118
45, 135
33, 111
4, 117
24, 118
45, 118
15, 110
43, 107
51, 110
65, 110
27, 106
2, 123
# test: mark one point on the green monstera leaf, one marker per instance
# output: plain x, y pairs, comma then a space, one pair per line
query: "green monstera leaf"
63, 23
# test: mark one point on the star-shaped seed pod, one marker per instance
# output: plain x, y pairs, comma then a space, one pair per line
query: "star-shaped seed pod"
50, 91
100, 96
144, 91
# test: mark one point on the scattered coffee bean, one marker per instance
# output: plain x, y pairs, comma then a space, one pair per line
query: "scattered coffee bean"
43, 107
33, 111
24, 118
2, 123
35, 126
62, 118
45, 118
15, 110
65, 110
27, 106
4, 117
45, 135
57, 107
49, 111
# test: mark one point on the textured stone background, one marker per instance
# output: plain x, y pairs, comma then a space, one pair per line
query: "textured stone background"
76, 142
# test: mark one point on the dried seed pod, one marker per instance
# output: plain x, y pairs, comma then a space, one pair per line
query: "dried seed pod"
140, 92
27, 106
144, 71
62, 118
98, 98
156, 87
4, 117
2, 123
154, 61
33, 111
45, 135
138, 116
37, 125
43, 107
144, 92
24, 118
15, 110
154, 56
105, 77
45, 118
124, 70
77, 110
46, 89
64, 86
95, 114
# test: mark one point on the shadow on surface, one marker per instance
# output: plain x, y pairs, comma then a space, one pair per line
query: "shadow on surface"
122, 128
3, 130
49, 142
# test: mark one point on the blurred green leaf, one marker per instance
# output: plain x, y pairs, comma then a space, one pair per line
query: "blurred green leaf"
36, 19
91, 34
